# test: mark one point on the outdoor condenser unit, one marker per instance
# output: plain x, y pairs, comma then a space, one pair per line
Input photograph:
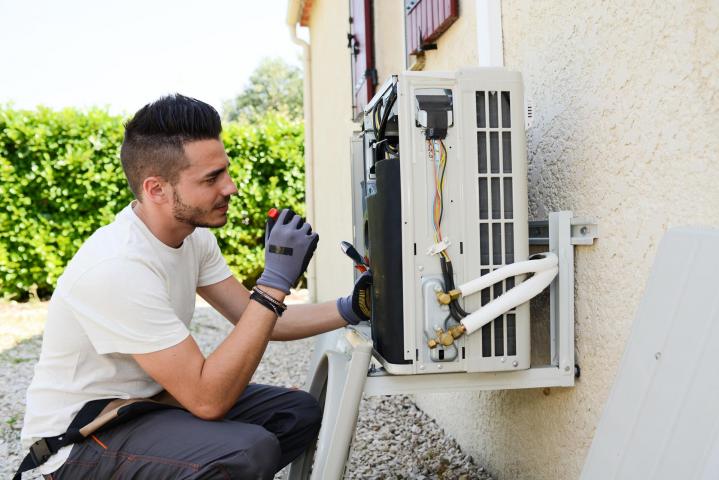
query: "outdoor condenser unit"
440, 200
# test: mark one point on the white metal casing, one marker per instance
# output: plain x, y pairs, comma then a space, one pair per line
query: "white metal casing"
473, 196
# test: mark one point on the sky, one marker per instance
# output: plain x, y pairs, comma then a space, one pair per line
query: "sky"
123, 54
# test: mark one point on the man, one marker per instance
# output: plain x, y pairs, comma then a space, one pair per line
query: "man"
118, 322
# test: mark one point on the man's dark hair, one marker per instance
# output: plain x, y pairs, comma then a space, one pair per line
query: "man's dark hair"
155, 136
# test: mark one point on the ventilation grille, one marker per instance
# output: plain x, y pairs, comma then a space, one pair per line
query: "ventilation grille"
496, 212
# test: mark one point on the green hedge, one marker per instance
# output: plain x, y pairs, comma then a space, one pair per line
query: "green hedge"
61, 179
267, 164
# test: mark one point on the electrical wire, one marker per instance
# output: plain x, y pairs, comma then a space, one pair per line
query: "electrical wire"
439, 163
379, 125
437, 154
387, 110
455, 308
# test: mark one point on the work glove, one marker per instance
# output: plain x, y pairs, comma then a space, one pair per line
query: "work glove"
358, 306
289, 245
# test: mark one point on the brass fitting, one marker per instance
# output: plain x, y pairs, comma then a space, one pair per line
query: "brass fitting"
443, 298
457, 331
446, 297
446, 339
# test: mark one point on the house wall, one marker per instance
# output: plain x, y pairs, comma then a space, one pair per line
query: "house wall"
389, 40
626, 132
331, 131
456, 47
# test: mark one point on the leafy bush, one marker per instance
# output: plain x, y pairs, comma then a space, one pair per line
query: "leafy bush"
61, 179
267, 164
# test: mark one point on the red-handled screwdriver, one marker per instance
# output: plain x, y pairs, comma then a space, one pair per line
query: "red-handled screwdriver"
272, 215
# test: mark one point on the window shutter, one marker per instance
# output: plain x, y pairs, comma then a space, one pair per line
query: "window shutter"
361, 45
427, 20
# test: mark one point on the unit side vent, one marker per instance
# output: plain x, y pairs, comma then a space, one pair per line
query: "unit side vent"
496, 211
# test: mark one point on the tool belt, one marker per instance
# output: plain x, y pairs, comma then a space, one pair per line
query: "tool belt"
93, 417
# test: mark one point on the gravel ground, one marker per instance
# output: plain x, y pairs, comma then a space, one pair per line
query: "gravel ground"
394, 439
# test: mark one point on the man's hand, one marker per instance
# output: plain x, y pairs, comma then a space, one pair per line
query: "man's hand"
358, 306
289, 246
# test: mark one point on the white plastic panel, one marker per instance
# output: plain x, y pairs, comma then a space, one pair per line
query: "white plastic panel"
495, 176
485, 214
662, 417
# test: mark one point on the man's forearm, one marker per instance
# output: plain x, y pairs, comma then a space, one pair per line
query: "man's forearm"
302, 321
228, 370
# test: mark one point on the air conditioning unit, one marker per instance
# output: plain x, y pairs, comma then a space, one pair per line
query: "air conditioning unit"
439, 174
440, 201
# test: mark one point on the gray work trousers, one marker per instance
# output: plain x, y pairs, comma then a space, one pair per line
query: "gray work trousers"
266, 429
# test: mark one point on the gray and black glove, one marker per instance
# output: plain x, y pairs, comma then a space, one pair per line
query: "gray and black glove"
358, 306
289, 245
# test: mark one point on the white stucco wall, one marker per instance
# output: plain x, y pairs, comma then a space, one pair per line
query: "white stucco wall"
626, 132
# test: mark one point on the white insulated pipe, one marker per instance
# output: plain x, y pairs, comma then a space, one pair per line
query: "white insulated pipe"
524, 292
547, 261
544, 270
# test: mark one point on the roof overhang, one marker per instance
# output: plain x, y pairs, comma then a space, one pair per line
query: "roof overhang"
298, 11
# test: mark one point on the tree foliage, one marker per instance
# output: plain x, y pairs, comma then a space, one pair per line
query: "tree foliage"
274, 86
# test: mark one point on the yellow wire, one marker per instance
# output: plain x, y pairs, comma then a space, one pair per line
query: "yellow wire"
440, 181
435, 150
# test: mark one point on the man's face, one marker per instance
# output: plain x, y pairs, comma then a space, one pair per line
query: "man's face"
201, 196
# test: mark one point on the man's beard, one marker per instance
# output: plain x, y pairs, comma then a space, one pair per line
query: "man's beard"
195, 216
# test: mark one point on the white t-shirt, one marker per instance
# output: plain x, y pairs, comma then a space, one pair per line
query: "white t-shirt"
123, 292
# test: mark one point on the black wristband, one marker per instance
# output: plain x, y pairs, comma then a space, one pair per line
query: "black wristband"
268, 301
270, 298
265, 303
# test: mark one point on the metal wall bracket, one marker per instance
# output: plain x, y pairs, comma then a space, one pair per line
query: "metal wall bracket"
582, 232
